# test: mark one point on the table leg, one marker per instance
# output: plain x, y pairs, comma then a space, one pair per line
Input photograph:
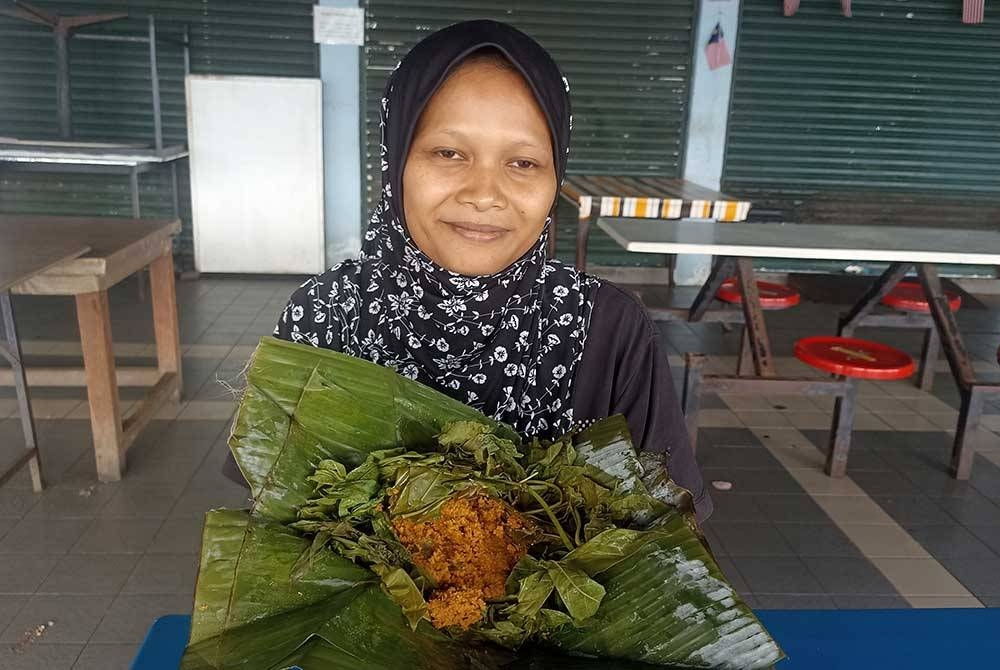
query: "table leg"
94, 315
840, 432
966, 432
176, 195
168, 343
691, 396
928, 360
723, 268
133, 180
892, 276
753, 315
11, 348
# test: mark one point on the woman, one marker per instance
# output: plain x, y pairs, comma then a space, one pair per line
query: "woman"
453, 288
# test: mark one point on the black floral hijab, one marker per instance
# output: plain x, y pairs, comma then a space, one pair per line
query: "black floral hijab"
507, 344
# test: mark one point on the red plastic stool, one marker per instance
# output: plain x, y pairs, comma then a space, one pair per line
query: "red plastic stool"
909, 296
772, 297
850, 358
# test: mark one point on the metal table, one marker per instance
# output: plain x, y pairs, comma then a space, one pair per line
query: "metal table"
20, 260
904, 248
118, 248
642, 197
87, 158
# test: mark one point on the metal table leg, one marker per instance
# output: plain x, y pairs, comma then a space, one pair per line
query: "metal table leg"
10, 348
133, 177
872, 297
966, 433
721, 271
753, 314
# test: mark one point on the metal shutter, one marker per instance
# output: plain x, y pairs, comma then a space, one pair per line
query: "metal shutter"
628, 65
111, 94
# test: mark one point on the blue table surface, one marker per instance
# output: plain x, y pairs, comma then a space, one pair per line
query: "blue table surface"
813, 639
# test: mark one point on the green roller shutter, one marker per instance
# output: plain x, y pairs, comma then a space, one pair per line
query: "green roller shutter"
112, 95
628, 65
900, 101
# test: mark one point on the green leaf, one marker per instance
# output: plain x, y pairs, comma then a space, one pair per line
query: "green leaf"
482, 442
401, 588
423, 490
580, 594
534, 591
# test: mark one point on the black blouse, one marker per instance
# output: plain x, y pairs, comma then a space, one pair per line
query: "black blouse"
624, 370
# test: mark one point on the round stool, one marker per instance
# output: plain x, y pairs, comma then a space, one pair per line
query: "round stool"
772, 296
909, 296
850, 358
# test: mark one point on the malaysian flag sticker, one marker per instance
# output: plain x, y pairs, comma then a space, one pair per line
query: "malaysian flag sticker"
716, 50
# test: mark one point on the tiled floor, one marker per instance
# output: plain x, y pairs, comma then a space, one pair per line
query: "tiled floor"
86, 567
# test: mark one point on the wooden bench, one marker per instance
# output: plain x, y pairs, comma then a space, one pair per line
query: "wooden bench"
118, 248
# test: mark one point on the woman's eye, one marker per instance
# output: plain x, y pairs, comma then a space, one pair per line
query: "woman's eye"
524, 164
448, 154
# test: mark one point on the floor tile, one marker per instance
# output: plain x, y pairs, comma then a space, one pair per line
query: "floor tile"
778, 576
735, 506
871, 602
144, 503
68, 619
166, 574
130, 616
762, 419
718, 418
22, 573
72, 502
920, 577
9, 607
117, 536
35, 656
105, 656
751, 539
795, 602
980, 575
43, 536
849, 576
972, 510
953, 541
15, 503
89, 574
817, 540
178, 536
884, 541
791, 508
733, 575
946, 602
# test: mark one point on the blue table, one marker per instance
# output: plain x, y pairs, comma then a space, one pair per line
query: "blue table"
813, 639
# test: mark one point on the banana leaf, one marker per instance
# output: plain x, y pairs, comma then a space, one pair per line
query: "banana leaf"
265, 598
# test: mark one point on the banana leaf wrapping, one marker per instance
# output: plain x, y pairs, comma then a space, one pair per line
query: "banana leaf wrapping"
292, 582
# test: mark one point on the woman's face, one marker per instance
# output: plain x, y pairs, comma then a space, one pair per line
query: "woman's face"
480, 178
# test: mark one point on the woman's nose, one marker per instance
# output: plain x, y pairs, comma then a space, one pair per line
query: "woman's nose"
483, 189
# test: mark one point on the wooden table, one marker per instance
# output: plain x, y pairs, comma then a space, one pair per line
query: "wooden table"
904, 248
118, 249
21, 260
642, 197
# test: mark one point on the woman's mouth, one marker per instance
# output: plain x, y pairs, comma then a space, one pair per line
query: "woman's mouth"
476, 232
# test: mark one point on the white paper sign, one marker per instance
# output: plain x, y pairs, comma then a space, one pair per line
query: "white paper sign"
338, 25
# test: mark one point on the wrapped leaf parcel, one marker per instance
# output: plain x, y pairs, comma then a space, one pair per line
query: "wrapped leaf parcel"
393, 527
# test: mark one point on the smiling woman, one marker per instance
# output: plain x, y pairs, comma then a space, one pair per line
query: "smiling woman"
453, 287
480, 179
